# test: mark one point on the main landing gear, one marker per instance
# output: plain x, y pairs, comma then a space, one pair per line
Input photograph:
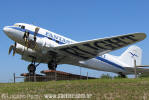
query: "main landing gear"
32, 67
122, 75
52, 65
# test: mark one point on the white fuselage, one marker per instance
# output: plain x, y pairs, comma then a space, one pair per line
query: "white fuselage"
47, 39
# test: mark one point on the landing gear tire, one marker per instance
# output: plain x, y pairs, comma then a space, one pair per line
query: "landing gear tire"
52, 66
31, 69
122, 75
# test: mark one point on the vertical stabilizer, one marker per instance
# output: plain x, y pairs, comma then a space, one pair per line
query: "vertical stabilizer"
133, 52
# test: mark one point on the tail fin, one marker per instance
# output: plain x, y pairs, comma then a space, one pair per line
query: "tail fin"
133, 52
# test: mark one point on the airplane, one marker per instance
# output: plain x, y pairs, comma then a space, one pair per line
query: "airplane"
38, 45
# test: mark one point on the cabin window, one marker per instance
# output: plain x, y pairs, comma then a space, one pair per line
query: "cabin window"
57, 41
49, 38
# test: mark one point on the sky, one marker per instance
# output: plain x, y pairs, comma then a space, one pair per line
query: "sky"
76, 19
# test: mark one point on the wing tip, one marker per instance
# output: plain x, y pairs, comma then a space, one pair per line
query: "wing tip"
141, 35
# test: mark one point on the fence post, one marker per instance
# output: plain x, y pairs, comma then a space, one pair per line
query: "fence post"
87, 75
80, 73
55, 75
34, 77
29, 78
14, 77
135, 68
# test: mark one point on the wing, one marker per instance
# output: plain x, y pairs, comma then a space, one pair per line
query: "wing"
92, 48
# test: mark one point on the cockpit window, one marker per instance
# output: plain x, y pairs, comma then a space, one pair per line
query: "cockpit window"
16, 25
21, 26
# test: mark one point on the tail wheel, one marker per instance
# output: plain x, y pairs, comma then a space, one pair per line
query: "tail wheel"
122, 75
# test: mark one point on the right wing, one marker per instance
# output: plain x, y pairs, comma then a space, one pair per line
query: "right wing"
89, 49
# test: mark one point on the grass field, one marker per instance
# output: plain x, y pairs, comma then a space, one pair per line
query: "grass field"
95, 89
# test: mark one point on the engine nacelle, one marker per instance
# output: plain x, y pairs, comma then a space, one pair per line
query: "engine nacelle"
20, 49
45, 44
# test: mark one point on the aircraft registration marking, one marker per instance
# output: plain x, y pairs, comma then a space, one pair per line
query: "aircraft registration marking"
101, 45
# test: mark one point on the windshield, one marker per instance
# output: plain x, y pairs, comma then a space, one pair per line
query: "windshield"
21, 26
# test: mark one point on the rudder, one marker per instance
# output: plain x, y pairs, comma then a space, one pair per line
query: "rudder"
133, 52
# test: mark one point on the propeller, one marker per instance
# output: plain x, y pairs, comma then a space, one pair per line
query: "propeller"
26, 38
12, 47
36, 31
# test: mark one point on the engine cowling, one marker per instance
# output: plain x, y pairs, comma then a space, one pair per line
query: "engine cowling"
45, 44
20, 49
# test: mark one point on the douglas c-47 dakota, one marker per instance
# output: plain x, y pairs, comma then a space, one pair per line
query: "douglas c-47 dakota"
38, 45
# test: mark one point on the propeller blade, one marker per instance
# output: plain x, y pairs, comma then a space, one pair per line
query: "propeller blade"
10, 49
14, 51
37, 29
15, 44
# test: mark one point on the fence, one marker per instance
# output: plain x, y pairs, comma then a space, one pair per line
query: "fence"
50, 75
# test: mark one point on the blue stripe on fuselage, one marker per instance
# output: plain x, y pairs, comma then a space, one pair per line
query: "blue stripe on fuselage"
109, 62
38, 35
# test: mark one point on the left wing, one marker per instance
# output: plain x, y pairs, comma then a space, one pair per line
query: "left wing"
89, 49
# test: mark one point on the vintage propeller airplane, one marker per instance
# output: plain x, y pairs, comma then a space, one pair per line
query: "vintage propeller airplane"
36, 44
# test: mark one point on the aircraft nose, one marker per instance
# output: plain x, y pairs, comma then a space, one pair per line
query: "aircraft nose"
11, 33
6, 29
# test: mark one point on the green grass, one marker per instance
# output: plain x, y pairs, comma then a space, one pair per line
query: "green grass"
101, 89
